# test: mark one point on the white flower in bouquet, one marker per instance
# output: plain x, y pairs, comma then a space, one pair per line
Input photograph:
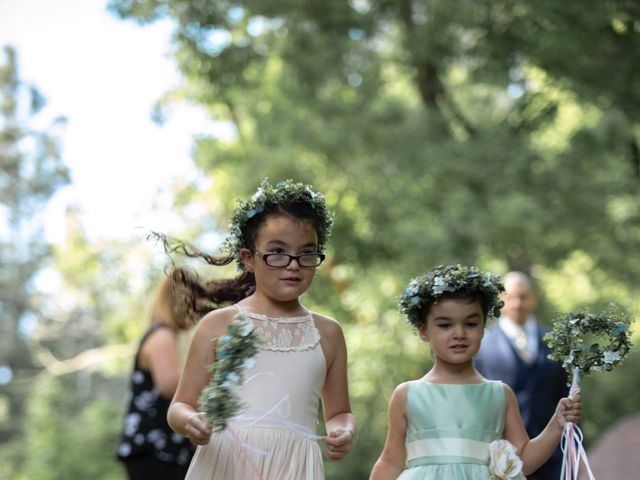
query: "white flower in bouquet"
504, 461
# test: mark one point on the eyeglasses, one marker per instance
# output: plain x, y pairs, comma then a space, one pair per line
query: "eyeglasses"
308, 260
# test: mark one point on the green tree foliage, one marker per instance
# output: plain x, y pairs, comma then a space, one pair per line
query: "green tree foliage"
70, 434
64, 350
31, 172
85, 347
502, 134
464, 110
614, 399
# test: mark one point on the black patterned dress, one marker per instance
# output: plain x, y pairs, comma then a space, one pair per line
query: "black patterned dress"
146, 435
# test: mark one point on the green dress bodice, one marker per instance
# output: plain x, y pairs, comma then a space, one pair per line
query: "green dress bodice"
450, 427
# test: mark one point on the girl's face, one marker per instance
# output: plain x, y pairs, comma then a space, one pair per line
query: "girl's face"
454, 327
282, 234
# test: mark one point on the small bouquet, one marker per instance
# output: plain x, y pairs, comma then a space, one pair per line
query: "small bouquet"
584, 343
504, 462
234, 353
590, 342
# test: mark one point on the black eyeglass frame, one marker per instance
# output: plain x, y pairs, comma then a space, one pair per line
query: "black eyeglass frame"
265, 257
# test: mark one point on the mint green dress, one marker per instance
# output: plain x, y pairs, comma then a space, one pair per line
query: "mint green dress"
449, 429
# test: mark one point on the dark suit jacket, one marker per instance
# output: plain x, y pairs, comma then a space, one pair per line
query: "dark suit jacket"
538, 387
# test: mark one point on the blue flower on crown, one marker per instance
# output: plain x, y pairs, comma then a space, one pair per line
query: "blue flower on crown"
618, 330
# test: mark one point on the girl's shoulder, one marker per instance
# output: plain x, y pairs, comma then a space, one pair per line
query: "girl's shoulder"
402, 388
509, 394
215, 323
326, 325
500, 385
502, 390
319, 318
399, 395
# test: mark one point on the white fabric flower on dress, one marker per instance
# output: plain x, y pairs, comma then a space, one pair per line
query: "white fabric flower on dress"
504, 461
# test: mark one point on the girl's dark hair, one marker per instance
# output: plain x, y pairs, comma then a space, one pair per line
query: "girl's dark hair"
295, 209
196, 297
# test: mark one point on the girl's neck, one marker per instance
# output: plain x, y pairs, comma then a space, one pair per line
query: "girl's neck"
453, 374
263, 305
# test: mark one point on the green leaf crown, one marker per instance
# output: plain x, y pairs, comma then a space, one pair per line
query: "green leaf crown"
442, 281
274, 198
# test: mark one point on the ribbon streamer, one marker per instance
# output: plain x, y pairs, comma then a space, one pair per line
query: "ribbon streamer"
245, 449
244, 452
573, 453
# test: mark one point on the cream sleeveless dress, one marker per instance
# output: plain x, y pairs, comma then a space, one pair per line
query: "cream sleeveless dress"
274, 438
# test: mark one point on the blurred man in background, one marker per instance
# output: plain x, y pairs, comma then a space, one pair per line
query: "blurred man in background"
513, 351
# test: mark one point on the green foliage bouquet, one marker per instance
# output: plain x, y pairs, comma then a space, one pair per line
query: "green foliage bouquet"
234, 353
590, 342
586, 342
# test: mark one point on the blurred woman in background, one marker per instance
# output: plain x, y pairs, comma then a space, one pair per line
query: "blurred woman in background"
148, 447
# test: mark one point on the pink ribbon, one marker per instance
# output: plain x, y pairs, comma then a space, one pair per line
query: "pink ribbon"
243, 448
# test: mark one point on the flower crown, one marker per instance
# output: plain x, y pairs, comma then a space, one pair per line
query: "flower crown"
283, 194
444, 280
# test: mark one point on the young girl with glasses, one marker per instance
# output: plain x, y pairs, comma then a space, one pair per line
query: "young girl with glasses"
452, 423
277, 239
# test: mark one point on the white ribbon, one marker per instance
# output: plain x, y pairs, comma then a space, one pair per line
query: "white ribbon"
267, 415
571, 443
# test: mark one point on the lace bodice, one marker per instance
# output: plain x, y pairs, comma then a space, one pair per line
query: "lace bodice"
282, 334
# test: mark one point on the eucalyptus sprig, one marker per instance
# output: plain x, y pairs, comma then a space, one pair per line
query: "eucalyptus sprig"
588, 341
219, 400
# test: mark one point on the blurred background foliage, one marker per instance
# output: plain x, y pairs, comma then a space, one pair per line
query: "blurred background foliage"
502, 134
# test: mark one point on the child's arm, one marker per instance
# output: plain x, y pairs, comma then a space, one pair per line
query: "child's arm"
394, 455
183, 416
339, 422
536, 451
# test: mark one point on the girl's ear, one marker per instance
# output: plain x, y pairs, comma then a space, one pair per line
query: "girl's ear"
422, 331
247, 259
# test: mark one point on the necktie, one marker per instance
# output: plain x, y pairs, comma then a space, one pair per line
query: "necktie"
522, 345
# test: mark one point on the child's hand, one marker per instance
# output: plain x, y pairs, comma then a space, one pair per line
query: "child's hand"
197, 429
338, 443
569, 410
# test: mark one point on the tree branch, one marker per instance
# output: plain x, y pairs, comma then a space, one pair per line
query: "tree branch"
86, 359
430, 86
